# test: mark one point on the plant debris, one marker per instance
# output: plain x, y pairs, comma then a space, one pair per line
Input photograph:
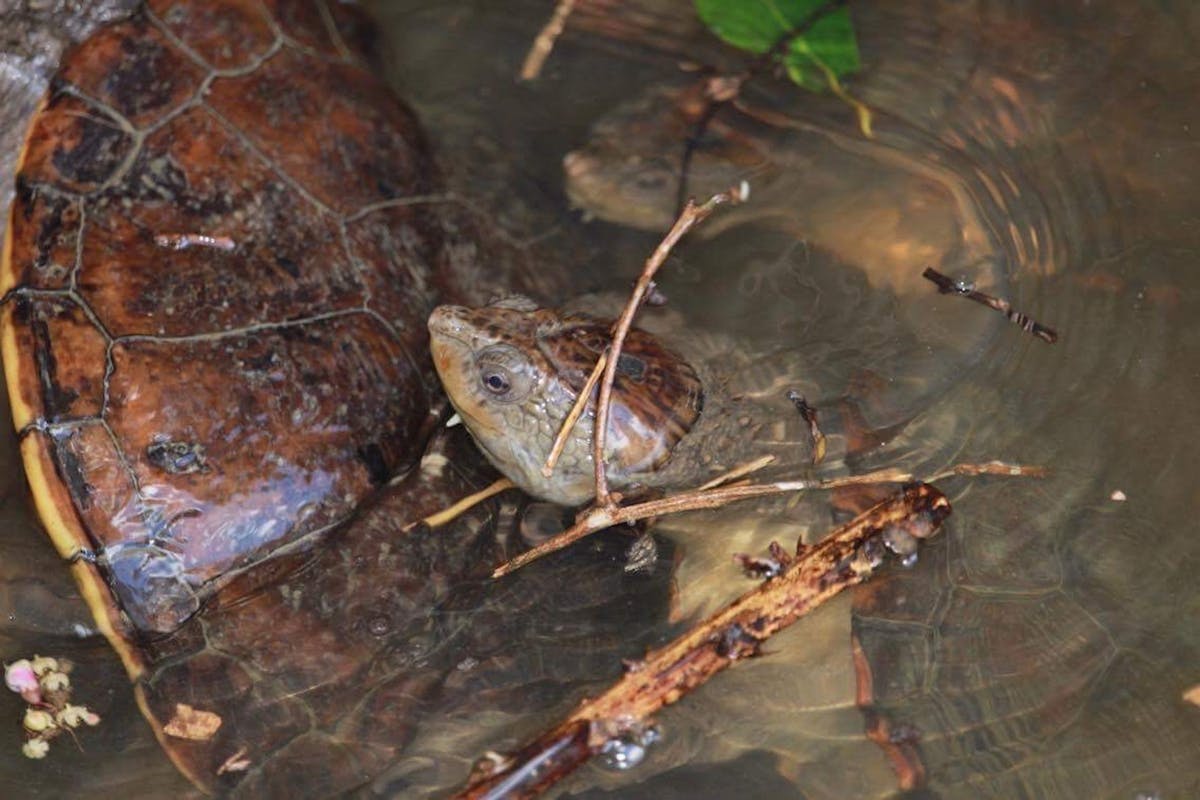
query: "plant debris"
947, 285
193, 724
544, 43
599, 726
809, 415
44, 684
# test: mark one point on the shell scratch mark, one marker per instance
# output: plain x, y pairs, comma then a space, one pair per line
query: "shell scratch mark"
183, 241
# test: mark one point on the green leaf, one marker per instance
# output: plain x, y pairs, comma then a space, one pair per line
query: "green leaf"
757, 25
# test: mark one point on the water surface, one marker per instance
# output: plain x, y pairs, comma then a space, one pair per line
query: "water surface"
1042, 643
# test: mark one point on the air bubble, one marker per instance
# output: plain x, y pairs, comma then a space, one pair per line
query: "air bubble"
628, 750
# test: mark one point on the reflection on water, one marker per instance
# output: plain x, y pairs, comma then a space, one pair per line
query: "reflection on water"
1040, 645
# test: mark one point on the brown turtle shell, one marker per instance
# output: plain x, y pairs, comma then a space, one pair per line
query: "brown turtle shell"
215, 281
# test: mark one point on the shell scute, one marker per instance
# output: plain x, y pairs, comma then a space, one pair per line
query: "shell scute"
134, 70
340, 136
45, 238
286, 258
60, 348
74, 146
235, 38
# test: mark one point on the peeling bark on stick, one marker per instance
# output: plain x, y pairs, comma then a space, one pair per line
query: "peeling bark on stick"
844, 558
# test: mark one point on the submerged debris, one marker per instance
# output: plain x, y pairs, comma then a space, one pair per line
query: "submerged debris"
44, 685
193, 724
612, 725
809, 415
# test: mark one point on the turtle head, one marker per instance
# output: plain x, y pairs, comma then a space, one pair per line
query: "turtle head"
629, 170
513, 371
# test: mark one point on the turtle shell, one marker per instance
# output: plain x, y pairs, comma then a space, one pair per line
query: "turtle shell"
215, 281
225, 242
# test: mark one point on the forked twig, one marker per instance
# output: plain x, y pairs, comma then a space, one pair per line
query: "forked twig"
691, 215
847, 556
598, 518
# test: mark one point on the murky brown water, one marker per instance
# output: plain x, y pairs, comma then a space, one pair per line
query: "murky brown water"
1042, 644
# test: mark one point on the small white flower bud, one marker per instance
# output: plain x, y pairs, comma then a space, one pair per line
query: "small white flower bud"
35, 748
55, 681
43, 664
37, 720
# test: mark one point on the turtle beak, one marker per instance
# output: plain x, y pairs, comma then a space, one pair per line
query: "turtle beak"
450, 345
448, 321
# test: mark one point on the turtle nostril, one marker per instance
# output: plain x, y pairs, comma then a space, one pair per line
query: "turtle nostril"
446, 320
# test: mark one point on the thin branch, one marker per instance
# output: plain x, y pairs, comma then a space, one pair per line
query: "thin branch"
544, 43
730, 87
691, 216
809, 415
564, 431
947, 285
737, 472
849, 555
448, 514
598, 518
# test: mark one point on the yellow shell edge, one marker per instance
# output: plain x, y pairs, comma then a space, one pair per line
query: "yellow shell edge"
173, 753
48, 491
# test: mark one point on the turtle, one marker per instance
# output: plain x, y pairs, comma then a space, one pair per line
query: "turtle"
513, 370
226, 238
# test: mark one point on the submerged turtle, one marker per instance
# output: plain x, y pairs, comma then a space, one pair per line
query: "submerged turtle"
813, 178
226, 239
513, 371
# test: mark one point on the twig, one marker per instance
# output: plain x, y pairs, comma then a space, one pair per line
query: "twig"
692, 215
846, 557
809, 415
993, 468
544, 43
447, 514
947, 285
560, 441
599, 518
730, 88
737, 472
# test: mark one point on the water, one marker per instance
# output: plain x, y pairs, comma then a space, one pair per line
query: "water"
1041, 644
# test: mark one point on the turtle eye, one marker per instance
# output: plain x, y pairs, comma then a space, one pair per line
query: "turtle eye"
496, 381
505, 373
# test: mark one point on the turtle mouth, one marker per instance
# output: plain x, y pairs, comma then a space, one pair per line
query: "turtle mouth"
449, 341
451, 336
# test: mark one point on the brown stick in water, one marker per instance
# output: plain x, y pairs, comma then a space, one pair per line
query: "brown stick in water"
544, 43
947, 285
846, 557
598, 518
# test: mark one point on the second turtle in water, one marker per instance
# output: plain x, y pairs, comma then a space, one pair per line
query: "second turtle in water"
513, 371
